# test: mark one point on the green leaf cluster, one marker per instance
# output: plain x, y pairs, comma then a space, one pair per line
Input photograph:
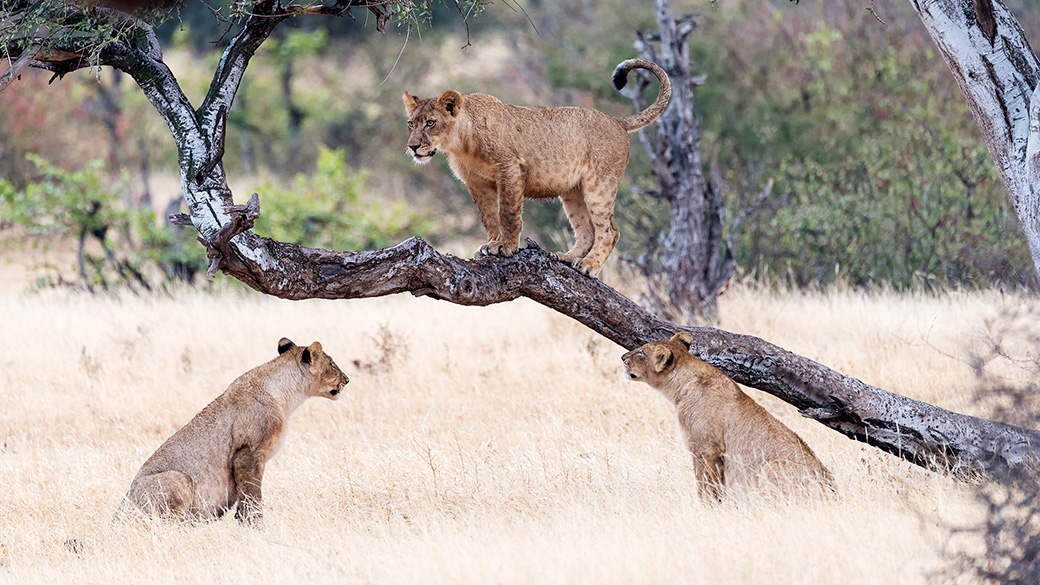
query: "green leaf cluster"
75, 27
64, 202
881, 173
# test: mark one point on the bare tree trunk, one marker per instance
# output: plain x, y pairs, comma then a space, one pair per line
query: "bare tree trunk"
146, 174
80, 262
111, 116
695, 258
247, 156
998, 73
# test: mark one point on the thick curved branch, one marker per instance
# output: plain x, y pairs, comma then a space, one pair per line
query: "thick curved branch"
919, 432
266, 15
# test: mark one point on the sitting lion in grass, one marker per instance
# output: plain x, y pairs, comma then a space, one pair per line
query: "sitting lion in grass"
737, 446
216, 461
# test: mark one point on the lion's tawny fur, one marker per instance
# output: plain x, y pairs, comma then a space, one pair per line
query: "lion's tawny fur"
216, 461
737, 446
504, 153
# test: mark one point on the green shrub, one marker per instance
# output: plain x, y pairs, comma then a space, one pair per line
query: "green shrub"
82, 206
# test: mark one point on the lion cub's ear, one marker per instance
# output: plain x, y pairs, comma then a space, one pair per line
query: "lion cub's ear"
410, 103
284, 345
684, 338
662, 358
309, 353
450, 100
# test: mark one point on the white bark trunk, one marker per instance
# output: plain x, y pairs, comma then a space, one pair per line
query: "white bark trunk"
200, 134
997, 71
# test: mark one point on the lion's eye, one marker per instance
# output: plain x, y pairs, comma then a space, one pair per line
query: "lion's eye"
430, 123
410, 124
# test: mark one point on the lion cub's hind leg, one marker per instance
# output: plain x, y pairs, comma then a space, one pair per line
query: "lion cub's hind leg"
169, 493
599, 197
581, 223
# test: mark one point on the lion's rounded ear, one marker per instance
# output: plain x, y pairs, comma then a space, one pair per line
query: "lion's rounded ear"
410, 103
308, 354
684, 338
451, 101
662, 359
284, 345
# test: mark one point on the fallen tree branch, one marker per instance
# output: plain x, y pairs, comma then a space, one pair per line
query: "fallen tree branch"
916, 431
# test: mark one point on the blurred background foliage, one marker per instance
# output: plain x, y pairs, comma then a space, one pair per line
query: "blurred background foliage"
325, 209
880, 175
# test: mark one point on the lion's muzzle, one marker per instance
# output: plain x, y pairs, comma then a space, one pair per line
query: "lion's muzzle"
421, 157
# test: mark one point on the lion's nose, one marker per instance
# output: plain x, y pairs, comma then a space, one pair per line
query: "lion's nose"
414, 147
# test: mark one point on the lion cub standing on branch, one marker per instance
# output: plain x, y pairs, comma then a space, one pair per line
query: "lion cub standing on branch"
504, 153
217, 460
735, 443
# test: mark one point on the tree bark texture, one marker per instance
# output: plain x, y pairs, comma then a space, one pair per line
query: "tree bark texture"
919, 432
997, 71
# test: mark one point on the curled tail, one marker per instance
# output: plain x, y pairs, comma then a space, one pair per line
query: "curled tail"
647, 116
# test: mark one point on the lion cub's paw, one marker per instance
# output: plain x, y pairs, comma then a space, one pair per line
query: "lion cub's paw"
497, 249
567, 257
584, 267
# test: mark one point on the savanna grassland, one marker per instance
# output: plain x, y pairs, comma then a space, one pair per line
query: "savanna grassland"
473, 445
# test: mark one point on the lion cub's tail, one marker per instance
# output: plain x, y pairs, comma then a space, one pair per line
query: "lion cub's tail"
644, 118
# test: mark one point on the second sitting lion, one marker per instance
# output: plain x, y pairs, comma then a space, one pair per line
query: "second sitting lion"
737, 446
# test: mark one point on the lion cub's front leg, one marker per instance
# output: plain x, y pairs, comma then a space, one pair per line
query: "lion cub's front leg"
248, 472
485, 195
708, 468
510, 204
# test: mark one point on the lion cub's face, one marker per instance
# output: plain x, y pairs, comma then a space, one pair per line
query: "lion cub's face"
653, 363
327, 379
430, 123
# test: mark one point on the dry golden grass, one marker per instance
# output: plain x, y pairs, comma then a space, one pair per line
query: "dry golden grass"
473, 445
